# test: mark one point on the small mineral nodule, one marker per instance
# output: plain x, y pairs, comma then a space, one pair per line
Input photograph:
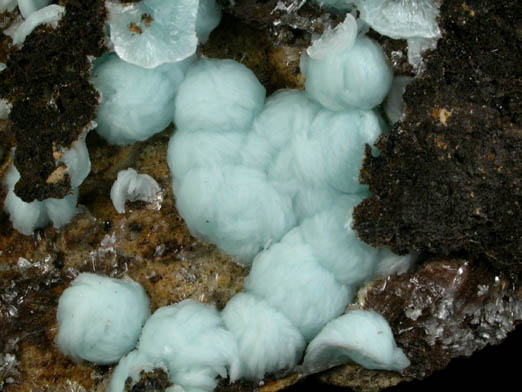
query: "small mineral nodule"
448, 179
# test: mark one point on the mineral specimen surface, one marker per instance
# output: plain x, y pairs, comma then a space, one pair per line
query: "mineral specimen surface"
448, 178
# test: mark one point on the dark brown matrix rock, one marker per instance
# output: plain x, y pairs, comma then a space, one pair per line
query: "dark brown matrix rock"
47, 82
448, 177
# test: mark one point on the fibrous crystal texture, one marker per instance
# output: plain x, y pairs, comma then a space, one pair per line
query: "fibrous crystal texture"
135, 102
100, 318
273, 183
362, 336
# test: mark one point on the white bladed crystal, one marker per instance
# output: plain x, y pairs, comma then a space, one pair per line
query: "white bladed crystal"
132, 186
47, 15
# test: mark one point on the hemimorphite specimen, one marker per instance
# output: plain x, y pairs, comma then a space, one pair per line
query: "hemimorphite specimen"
136, 102
361, 336
190, 341
275, 185
366, 77
132, 186
414, 20
100, 318
218, 94
26, 217
264, 346
293, 157
154, 32
27, 7
47, 15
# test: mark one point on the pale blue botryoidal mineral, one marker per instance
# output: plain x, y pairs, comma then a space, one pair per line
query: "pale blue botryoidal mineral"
133, 187
100, 318
361, 336
136, 102
190, 341
155, 32
26, 217
274, 185
27, 7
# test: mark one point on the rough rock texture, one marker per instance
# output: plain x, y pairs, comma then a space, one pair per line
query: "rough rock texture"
447, 307
276, 65
448, 180
285, 19
47, 82
149, 243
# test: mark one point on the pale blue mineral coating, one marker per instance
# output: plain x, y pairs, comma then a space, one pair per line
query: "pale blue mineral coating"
361, 336
131, 365
335, 41
136, 102
189, 340
26, 217
77, 160
218, 95
267, 340
100, 318
357, 78
229, 155
274, 184
27, 7
311, 297
164, 31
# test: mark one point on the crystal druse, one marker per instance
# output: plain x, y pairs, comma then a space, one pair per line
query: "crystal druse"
271, 182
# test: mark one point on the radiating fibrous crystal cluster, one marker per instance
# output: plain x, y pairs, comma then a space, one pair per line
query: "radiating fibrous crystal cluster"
136, 102
100, 318
273, 184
